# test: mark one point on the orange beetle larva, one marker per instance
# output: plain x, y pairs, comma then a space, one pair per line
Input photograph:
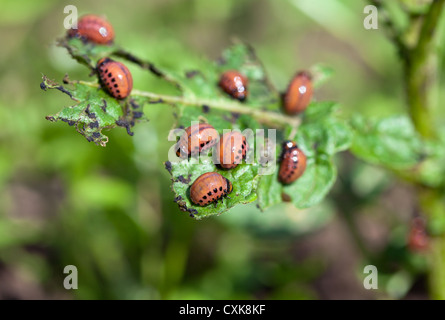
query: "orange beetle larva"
115, 77
298, 94
94, 29
234, 84
196, 139
293, 163
418, 239
231, 150
209, 187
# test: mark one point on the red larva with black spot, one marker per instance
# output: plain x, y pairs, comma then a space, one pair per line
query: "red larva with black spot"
418, 239
231, 149
235, 84
94, 29
115, 77
209, 187
293, 163
196, 139
298, 94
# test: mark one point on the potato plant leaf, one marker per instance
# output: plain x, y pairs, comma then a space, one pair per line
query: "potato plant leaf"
321, 135
318, 131
391, 142
93, 111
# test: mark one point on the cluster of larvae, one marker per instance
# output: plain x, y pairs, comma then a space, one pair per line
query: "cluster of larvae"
232, 148
114, 76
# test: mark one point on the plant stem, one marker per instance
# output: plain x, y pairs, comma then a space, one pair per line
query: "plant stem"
263, 116
420, 75
433, 205
420, 71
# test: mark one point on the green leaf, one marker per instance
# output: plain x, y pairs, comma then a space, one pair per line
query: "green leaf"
93, 111
184, 173
391, 142
320, 74
308, 190
431, 171
321, 134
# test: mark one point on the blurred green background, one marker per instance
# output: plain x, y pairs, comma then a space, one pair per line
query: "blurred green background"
110, 212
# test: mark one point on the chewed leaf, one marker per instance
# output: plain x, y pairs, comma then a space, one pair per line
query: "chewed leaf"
184, 173
84, 52
321, 135
318, 131
93, 111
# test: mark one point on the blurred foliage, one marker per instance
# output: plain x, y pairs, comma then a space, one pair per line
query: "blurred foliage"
109, 211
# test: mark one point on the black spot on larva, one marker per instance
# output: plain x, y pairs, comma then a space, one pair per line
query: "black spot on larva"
113, 80
109, 74
220, 188
244, 142
242, 146
239, 151
209, 193
294, 167
115, 85
215, 190
200, 201
202, 144
292, 172
106, 70
118, 91
205, 197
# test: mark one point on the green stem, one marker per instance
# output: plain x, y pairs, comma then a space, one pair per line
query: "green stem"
433, 205
420, 75
420, 71
266, 117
